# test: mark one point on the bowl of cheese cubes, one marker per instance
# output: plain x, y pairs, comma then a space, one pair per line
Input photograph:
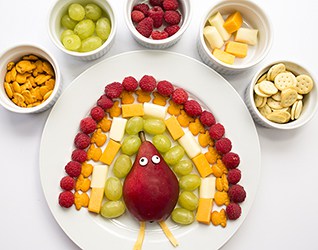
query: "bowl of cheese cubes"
234, 36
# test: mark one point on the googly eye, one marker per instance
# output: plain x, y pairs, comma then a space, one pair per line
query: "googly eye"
143, 161
155, 159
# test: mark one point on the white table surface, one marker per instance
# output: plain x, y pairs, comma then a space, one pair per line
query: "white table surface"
284, 214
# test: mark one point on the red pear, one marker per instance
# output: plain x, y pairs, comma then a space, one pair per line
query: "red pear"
150, 189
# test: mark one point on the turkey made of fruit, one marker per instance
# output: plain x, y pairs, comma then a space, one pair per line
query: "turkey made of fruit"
148, 148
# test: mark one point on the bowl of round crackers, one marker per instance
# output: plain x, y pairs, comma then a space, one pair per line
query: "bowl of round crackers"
282, 95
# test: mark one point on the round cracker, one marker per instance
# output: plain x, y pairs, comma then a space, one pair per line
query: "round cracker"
279, 116
259, 92
258, 100
265, 110
289, 96
262, 78
277, 97
273, 104
285, 80
275, 70
304, 84
268, 88
298, 109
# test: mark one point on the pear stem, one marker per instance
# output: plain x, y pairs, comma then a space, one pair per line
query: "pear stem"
142, 136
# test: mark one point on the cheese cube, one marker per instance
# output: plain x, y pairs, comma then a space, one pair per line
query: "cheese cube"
204, 210
95, 200
174, 127
213, 37
117, 129
237, 49
155, 111
233, 22
189, 144
129, 110
99, 176
223, 56
207, 187
245, 35
202, 165
110, 152
217, 21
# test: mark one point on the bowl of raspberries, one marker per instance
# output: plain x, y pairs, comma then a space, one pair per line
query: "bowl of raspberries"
157, 24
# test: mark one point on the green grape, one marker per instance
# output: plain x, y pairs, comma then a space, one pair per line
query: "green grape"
122, 166
91, 43
131, 145
68, 22
134, 125
162, 143
183, 167
66, 33
174, 155
189, 182
72, 42
154, 126
76, 11
103, 28
92, 11
113, 189
85, 28
182, 216
112, 209
188, 200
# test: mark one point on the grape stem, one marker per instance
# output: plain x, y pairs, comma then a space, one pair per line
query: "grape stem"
142, 136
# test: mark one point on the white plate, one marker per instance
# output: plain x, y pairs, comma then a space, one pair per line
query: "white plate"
91, 231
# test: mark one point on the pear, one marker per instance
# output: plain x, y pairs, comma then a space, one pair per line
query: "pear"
151, 189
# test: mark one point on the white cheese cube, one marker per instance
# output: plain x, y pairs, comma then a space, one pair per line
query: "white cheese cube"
189, 144
154, 110
99, 176
217, 21
245, 35
213, 37
207, 187
117, 130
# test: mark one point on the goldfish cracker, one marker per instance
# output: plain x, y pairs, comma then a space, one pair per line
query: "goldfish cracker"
98, 137
81, 200
174, 109
94, 153
217, 171
159, 99
221, 198
82, 184
127, 97
143, 96
196, 127
219, 218
87, 169
115, 110
233, 22
104, 124
184, 119
212, 155
222, 183
221, 165
205, 139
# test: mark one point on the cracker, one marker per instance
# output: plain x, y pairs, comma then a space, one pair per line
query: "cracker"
289, 96
304, 84
298, 109
277, 97
266, 110
273, 104
275, 70
262, 78
285, 80
259, 100
268, 88
279, 116
259, 92
299, 97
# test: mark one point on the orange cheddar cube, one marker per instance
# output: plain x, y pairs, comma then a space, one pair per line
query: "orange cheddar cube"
135, 109
233, 22
95, 201
110, 152
237, 49
204, 210
202, 165
174, 128
223, 56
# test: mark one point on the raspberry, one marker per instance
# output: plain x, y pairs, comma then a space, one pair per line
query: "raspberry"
88, 125
156, 2
79, 155
67, 183
207, 118
156, 13
66, 199
130, 83
179, 96
137, 16
234, 176
192, 108
237, 193
233, 211
113, 90
144, 27
216, 131
97, 113
170, 4
172, 17
165, 88
142, 7
224, 145
73, 168
82, 140
231, 160
172, 29
104, 102
147, 83
157, 35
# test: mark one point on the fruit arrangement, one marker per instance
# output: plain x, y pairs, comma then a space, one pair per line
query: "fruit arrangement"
136, 151
86, 27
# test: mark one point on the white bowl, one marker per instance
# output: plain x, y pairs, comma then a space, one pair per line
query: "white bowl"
310, 101
185, 9
15, 54
59, 8
253, 17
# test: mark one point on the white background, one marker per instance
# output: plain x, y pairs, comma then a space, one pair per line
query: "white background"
284, 214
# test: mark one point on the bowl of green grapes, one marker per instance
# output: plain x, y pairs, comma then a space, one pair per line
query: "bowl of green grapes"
84, 29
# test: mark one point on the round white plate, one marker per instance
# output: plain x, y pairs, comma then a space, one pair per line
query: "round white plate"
90, 231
